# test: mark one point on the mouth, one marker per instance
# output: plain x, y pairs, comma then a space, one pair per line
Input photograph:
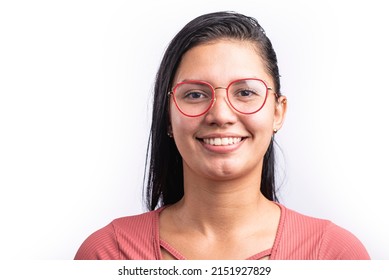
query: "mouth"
225, 141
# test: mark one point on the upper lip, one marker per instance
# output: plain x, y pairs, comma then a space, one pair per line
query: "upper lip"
221, 135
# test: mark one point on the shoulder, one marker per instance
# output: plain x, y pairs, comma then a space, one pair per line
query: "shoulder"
305, 237
340, 244
131, 237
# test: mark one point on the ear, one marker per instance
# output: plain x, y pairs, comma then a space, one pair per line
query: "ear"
279, 113
169, 124
170, 131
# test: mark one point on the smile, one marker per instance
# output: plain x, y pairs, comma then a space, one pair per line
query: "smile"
222, 141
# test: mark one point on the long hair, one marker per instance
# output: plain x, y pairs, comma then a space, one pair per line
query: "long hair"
163, 169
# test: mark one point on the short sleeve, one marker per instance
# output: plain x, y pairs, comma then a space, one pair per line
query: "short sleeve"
100, 245
340, 244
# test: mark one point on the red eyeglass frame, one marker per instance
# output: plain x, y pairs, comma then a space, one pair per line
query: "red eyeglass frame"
172, 92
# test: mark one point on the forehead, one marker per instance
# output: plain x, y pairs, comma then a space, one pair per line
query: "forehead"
222, 61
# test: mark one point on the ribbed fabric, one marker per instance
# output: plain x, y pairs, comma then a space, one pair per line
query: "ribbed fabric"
298, 237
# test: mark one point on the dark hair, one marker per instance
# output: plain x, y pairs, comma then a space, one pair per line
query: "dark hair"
164, 163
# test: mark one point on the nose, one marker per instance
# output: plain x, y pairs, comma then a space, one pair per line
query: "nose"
221, 113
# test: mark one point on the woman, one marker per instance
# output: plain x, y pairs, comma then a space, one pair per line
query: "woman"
211, 188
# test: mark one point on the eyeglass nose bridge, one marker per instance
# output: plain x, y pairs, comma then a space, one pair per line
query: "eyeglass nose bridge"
214, 97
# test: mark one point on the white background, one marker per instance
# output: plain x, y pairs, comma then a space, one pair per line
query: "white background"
75, 92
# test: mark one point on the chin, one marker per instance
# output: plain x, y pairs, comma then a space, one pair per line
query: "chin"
225, 172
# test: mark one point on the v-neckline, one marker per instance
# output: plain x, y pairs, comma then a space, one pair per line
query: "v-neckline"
160, 243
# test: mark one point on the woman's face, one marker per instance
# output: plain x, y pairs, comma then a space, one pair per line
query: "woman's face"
224, 144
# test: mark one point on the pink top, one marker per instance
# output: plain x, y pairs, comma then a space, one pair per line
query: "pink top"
299, 237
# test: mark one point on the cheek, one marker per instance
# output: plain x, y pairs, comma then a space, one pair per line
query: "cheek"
182, 126
261, 122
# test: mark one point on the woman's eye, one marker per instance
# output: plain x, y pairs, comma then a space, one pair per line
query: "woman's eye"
195, 95
245, 93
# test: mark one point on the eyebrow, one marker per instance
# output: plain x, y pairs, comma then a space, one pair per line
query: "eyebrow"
241, 78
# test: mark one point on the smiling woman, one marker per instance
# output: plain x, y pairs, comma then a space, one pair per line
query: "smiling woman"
211, 188
239, 70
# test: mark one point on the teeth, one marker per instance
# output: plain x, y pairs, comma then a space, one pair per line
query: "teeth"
222, 141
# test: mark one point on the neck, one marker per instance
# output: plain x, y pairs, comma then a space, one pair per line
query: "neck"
215, 206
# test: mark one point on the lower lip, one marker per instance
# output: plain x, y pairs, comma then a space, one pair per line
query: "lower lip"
222, 149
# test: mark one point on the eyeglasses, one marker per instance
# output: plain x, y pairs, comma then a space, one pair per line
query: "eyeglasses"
195, 98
